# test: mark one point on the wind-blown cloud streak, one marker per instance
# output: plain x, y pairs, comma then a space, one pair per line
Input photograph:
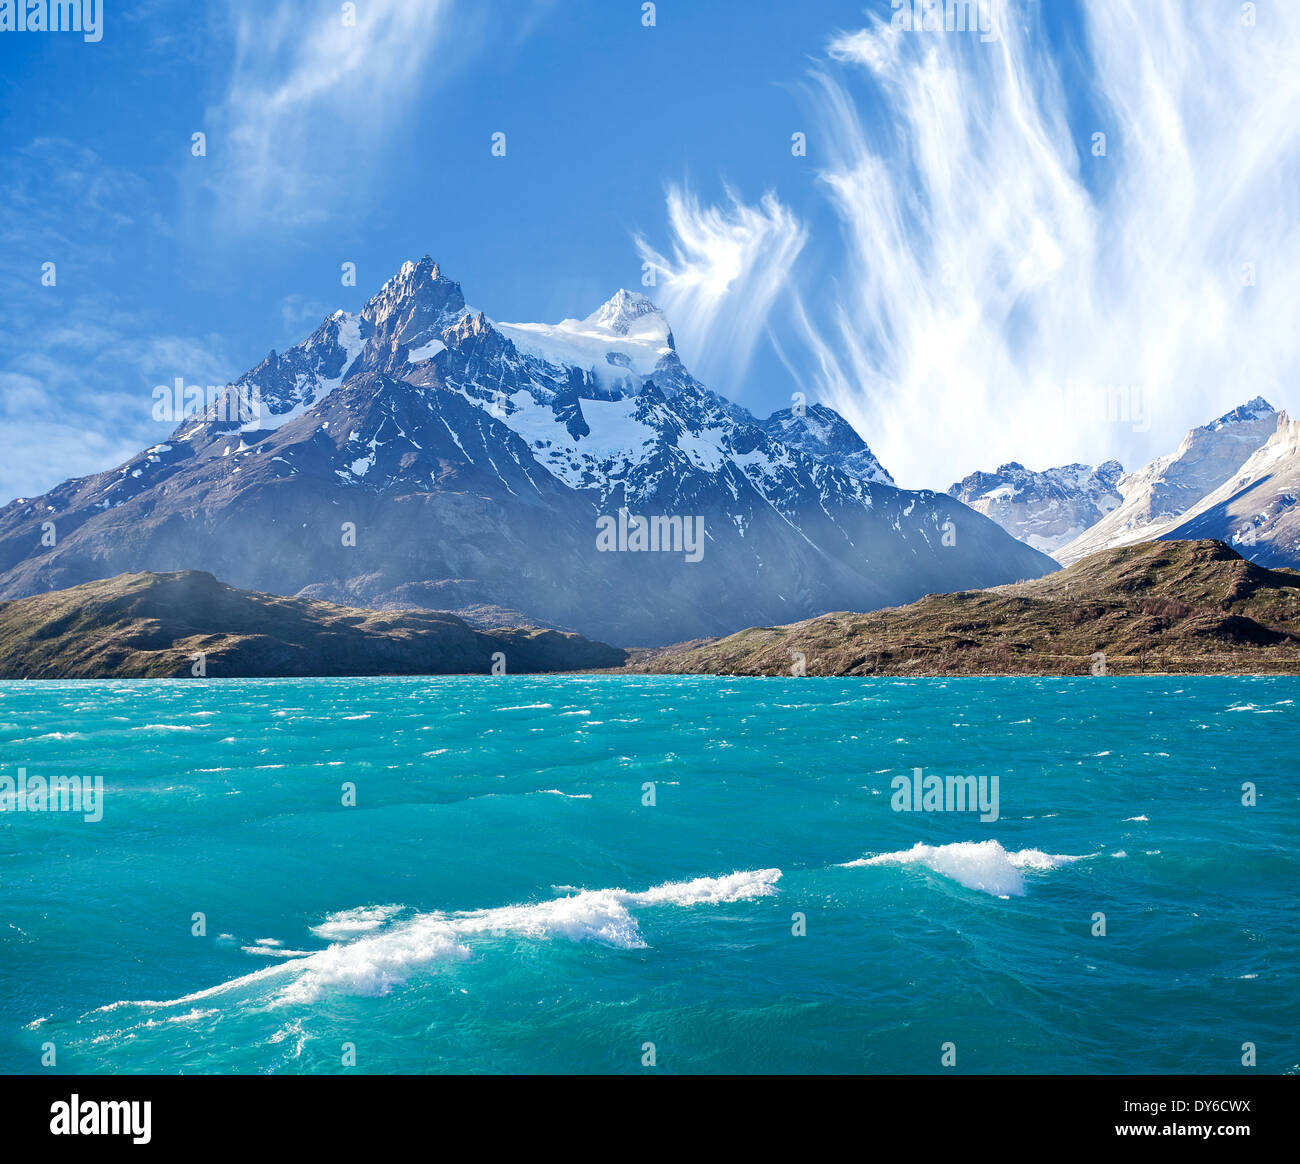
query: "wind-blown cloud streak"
727, 268
1004, 292
312, 96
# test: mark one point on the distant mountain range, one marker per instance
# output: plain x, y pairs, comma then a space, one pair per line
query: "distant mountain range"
1045, 510
1236, 479
420, 455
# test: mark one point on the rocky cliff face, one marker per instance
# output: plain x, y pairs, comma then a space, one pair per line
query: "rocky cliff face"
418, 454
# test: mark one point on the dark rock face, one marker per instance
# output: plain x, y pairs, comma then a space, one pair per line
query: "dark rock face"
420, 454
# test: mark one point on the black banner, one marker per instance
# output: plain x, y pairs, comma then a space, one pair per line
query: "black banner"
925, 1112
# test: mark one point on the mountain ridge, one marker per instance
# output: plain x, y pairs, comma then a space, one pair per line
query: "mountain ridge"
1258, 507
1044, 509
1235, 479
1156, 495
414, 454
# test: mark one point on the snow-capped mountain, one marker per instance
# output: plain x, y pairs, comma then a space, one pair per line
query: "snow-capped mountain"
1159, 494
1255, 510
825, 436
626, 334
418, 454
1043, 509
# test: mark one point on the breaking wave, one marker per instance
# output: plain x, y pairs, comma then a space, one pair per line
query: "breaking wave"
377, 952
982, 865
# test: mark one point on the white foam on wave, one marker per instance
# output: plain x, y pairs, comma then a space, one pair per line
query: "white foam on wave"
982, 865
348, 923
389, 951
275, 952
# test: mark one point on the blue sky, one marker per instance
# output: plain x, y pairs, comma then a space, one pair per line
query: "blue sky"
950, 264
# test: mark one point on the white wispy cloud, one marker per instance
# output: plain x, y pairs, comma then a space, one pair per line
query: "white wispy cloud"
1002, 293
727, 267
313, 95
77, 369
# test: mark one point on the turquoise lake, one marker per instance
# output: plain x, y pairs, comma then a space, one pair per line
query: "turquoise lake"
504, 897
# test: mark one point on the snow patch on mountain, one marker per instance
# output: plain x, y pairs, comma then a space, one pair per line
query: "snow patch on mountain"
626, 334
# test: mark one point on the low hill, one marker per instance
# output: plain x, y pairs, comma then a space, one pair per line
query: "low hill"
1191, 606
153, 625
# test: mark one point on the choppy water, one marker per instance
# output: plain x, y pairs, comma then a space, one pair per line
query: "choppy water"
500, 897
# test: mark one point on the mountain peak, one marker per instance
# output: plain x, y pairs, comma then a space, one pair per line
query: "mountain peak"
422, 415
621, 311
411, 279
426, 267
414, 306
823, 434
626, 334
1254, 409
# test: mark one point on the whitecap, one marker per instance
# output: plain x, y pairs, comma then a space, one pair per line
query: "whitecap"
982, 865
274, 952
350, 922
374, 963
